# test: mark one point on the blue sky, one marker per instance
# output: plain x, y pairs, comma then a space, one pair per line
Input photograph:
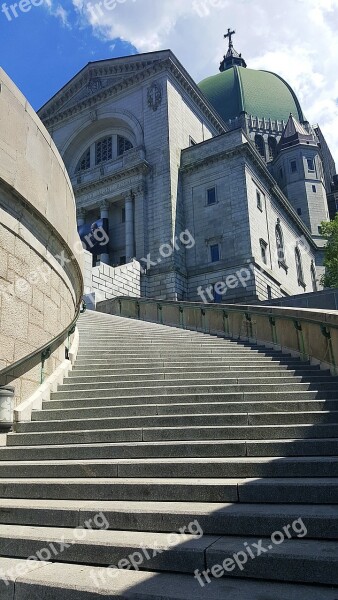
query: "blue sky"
44, 48
40, 53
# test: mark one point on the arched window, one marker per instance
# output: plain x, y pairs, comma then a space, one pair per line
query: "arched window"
272, 143
260, 145
84, 162
104, 150
314, 277
299, 267
280, 245
123, 145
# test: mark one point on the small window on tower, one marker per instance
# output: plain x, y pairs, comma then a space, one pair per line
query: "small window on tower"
310, 165
259, 200
314, 189
215, 253
211, 196
299, 211
293, 166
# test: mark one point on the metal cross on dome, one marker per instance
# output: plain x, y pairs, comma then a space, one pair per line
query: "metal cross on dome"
229, 35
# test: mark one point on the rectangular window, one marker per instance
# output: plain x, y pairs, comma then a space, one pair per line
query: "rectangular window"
299, 211
314, 189
264, 247
259, 200
214, 253
293, 166
211, 196
218, 298
310, 165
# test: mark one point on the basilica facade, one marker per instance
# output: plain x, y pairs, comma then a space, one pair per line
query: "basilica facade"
217, 189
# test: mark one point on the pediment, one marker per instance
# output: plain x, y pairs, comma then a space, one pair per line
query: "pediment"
97, 80
93, 87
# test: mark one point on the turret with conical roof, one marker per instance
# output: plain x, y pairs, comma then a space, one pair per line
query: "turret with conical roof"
299, 171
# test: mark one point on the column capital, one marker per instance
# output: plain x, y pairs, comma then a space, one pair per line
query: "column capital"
104, 205
81, 212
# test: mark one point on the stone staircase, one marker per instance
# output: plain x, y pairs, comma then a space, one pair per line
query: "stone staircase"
161, 435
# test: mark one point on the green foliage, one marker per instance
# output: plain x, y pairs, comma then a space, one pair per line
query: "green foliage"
330, 232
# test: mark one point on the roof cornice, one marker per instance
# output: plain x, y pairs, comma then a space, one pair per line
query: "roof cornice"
248, 149
134, 72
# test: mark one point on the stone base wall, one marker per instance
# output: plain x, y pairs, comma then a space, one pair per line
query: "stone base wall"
105, 282
37, 301
40, 259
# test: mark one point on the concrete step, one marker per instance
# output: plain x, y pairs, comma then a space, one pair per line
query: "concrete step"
80, 582
105, 547
295, 560
218, 378
306, 490
198, 389
187, 433
198, 371
325, 407
176, 449
157, 490
201, 353
173, 361
227, 468
132, 400
300, 560
214, 519
106, 420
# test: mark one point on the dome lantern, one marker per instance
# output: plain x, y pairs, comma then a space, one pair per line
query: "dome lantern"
232, 57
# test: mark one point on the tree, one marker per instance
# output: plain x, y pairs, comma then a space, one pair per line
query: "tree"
330, 232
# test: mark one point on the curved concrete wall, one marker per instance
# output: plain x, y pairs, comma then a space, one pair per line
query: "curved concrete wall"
40, 252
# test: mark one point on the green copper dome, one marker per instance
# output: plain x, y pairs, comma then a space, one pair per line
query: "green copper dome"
258, 93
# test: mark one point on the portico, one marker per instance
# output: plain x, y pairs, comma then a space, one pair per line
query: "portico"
123, 217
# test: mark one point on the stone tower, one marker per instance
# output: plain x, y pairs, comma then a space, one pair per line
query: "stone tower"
299, 172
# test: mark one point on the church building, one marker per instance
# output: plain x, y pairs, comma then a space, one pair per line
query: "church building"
218, 190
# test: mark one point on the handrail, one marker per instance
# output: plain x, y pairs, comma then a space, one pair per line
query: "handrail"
41, 353
237, 308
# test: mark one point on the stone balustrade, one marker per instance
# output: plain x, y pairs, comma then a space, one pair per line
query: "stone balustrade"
310, 334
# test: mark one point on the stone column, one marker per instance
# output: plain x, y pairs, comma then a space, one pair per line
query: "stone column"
81, 217
141, 220
130, 236
104, 214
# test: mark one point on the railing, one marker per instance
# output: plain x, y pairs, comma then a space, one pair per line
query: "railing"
39, 356
310, 334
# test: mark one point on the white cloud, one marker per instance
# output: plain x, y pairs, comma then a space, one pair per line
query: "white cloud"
295, 38
58, 11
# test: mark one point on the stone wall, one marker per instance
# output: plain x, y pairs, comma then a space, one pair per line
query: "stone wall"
109, 282
40, 255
